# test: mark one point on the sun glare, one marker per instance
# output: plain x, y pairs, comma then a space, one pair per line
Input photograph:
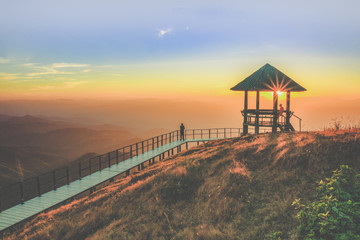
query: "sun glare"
279, 93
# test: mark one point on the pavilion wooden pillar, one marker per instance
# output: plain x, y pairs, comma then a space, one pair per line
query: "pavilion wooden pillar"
275, 114
257, 112
245, 126
287, 109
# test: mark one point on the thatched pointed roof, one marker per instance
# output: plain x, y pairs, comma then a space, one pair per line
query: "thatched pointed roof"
268, 78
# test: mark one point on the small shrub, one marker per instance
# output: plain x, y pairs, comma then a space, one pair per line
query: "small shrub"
275, 236
335, 212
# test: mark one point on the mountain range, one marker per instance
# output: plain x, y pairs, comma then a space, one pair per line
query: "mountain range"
32, 145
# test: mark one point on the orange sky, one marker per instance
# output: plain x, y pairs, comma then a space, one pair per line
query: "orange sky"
188, 53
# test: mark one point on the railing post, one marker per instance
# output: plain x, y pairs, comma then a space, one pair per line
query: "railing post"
38, 185
209, 133
137, 149
123, 154
131, 151
230, 132
193, 133
100, 163
187, 147
90, 166
170, 137
224, 132
153, 139
117, 156
54, 180
157, 141
162, 140
79, 170
201, 134
67, 176
177, 134
109, 160
142, 147
21, 192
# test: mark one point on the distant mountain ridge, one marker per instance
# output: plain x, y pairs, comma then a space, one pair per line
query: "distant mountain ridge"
37, 145
4, 117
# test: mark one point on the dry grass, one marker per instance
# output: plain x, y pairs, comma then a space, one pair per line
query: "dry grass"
230, 189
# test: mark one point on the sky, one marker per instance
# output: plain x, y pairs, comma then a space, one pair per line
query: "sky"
183, 50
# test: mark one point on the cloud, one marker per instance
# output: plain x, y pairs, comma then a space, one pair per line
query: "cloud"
42, 88
118, 74
53, 68
72, 84
65, 85
163, 32
47, 71
8, 76
4, 60
105, 66
64, 65
29, 64
86, 70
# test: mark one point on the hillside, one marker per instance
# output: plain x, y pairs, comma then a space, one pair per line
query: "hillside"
228, 189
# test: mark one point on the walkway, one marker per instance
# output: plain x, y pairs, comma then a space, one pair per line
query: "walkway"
30, 208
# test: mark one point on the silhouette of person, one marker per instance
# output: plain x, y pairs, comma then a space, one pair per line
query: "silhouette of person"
182, 132
281, 110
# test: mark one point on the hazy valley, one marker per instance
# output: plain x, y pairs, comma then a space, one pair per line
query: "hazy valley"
32, 145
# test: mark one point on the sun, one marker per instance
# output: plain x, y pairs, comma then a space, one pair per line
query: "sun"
279, 93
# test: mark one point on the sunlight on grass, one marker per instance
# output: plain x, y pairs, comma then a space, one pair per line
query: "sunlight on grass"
238, 188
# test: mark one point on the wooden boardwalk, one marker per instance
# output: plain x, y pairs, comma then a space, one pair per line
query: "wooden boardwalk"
30, 208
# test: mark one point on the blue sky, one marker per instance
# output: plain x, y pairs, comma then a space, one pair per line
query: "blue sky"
123, 31
65, 44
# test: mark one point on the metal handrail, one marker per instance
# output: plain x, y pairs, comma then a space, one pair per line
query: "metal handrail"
296, 116
29, 188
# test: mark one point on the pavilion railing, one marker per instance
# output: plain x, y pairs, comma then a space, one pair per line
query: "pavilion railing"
266, 117
18, 193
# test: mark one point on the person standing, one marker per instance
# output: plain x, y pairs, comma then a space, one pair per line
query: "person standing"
182, 132
281, 110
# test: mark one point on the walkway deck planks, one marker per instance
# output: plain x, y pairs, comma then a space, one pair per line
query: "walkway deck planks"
47, 200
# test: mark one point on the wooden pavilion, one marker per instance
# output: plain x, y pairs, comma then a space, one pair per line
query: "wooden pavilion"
268, 78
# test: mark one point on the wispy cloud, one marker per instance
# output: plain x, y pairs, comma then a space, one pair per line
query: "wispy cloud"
47, 71
8, 76
29, 64
43, 88
67, 65
53, 69
73, 84
163, 32
118, 74
64, 85
4, 60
